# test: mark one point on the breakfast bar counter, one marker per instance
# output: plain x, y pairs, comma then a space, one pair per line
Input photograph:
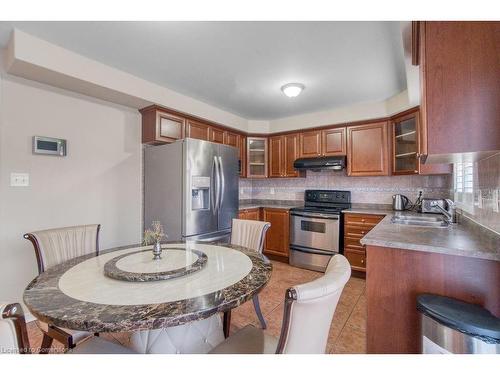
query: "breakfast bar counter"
460, 261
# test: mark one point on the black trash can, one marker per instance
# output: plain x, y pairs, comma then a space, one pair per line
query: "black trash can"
453, 326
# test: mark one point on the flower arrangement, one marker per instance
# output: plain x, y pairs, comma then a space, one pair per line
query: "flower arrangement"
154, 236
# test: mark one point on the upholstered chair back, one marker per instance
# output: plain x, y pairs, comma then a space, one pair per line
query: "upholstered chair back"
249, 233
13, 335
54, 246
309, 310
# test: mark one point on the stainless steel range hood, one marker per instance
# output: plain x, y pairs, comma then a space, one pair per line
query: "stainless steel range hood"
335, 163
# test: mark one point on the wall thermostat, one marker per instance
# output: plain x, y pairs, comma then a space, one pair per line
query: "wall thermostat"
49, 146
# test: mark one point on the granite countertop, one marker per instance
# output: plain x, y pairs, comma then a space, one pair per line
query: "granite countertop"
371, 209
268, 203
464, 239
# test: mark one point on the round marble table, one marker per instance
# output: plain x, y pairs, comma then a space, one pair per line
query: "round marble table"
76, 294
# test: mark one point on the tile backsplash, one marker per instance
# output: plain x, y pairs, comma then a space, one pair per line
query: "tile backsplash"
486, 190
363, 189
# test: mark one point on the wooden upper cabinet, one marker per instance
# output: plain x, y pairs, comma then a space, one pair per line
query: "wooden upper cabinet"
276, 162
290, 154
216, 135
310, 144
232, 139
327, 142
242, 166
405, 133
333, 142
460, 90
277, 237
367, 150
197, 130
283, 151
160, 127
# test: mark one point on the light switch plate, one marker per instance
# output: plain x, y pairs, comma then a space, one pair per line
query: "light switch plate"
19, 179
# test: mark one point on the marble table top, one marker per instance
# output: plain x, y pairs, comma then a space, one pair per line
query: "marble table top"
77, 295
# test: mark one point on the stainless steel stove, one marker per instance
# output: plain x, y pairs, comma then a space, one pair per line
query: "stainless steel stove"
316, 229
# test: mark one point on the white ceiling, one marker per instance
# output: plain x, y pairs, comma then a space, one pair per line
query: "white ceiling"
240, 66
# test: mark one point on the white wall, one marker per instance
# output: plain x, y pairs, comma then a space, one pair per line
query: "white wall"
98, 182
355, 112
33, 58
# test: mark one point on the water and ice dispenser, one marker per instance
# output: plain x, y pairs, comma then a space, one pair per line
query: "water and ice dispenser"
200, 193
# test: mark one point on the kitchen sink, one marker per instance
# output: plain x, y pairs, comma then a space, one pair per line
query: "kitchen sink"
430, 219
422, 221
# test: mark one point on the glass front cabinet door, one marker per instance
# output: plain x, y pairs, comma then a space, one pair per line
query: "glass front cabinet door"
405, 147
256, 157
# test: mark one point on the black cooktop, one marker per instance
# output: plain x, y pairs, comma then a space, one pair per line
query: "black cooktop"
328, 201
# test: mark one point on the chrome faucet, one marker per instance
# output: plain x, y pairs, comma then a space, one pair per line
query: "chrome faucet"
450, 214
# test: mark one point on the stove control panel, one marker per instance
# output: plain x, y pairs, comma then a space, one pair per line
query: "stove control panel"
328, 196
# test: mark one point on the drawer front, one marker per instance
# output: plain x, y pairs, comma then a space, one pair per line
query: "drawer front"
353, 243
365, 220
356, 259
356, 231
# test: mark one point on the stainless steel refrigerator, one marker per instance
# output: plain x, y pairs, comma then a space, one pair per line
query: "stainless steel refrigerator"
191, 187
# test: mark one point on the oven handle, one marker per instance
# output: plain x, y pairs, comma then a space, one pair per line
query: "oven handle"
316, 216
312, 251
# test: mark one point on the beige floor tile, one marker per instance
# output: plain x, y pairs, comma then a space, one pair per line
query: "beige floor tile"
350, 341
358, 316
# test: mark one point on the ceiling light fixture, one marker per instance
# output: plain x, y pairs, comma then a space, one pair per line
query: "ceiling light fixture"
292, 89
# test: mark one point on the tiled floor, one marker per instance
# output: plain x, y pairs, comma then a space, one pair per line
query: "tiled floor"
347, 333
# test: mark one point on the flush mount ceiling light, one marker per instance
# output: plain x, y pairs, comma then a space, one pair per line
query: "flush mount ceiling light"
292, 89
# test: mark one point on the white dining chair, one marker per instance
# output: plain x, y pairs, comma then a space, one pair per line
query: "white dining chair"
251, 234
307, 318
52, 247
14, 336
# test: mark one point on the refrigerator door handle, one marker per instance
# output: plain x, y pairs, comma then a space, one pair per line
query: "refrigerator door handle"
218, 180
222, 182
213, 193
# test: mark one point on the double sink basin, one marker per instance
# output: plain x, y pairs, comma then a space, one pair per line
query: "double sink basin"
421, 221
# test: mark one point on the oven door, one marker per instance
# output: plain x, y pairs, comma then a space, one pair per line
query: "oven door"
315, 231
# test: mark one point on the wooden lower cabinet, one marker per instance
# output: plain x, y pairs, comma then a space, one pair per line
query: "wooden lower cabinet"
249, 214
356, 226
396, 277
277, 237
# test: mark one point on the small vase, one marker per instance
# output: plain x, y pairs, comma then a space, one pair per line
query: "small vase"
157, 251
